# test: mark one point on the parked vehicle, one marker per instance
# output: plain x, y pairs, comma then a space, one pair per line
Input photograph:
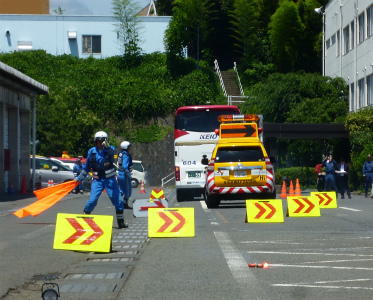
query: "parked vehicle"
51, 169
138, 173
47, 169
195, 136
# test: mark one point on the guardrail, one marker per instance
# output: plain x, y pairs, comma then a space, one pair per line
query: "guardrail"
217, 69
239, 80
236, 99
170, 177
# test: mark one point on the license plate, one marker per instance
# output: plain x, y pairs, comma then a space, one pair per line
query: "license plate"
239, 173
194, 174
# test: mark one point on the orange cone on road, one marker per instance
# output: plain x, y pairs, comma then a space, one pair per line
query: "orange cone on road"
291, 189
142, 188
283, 190
298, 191
50, 182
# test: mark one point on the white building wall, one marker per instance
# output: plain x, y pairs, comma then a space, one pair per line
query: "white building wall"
51, 33
357, 63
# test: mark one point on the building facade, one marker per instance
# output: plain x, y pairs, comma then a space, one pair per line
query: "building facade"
17, 127
24, 7
81, 36
348, 48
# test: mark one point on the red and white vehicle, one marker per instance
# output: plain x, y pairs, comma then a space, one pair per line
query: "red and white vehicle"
194, 137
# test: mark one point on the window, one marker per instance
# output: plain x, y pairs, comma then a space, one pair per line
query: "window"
138, 167
200, 120
361, 86
239, 154
327, 43
91, 43
370, 89
346, 39
370, 21
361, 28
352, 97
338, 43
352, 27
333, 39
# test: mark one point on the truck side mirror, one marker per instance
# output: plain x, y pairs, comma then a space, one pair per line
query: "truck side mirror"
204, 160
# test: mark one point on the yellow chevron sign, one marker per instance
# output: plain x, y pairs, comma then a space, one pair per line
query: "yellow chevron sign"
171, 222
264, 211
83, 232
300, 206
326, 199
157, 194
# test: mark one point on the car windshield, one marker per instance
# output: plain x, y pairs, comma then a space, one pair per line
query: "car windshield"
138, 167
200, 120
47, 164
239, 154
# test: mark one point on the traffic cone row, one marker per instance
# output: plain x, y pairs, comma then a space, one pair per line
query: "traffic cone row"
292, 192
142, 188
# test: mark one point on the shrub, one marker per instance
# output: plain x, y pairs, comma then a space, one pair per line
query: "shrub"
306, 176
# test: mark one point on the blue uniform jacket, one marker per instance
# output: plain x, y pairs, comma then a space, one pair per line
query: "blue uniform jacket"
100, 161
330, 166
77, 169
368, 167
124, 161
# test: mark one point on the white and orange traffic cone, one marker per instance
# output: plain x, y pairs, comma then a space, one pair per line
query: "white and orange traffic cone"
50, 182
142, 188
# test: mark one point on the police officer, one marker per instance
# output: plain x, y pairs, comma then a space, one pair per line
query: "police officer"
368, 174
330, 166
124, 171
100, 161
77, 169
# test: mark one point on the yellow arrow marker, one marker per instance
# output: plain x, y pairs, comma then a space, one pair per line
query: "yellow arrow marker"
157, 194
299, 206
83, 232
171, 222
326, 199
264, 211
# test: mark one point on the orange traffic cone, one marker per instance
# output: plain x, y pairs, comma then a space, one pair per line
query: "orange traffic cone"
142, 188
283, 190
23, 185
50, 182
298, 191
291, 189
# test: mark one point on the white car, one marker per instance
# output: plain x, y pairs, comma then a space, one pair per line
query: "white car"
138, 173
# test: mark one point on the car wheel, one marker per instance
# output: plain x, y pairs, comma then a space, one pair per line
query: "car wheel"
212, 201
134, 183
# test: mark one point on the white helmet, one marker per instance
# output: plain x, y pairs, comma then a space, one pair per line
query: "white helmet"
125, 144
101, 135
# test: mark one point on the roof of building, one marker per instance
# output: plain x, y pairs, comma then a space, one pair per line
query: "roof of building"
8, 71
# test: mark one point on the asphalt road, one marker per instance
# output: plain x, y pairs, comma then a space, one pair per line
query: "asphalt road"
327, 257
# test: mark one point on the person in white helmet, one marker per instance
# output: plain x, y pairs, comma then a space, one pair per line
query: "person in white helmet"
100, 161
124, 171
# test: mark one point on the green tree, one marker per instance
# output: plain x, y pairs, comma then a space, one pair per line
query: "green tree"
164, 7
127, 27
245, 21
285, 32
